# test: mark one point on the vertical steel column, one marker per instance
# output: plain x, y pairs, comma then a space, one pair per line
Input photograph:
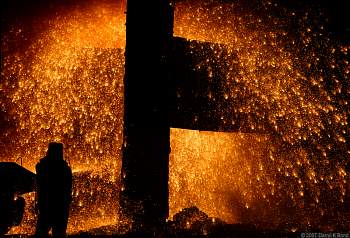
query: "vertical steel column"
146, 145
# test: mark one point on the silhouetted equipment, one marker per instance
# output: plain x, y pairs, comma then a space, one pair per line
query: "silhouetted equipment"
169, 82
146, 126
200, 96
15, 178
14, 181
11, 211
54, 183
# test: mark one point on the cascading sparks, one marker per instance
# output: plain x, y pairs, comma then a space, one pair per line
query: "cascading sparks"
294, 83
67, 85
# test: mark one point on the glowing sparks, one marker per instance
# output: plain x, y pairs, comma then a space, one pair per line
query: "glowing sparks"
285, 80
66, 84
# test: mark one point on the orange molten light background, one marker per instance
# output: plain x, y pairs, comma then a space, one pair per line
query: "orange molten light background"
62, 80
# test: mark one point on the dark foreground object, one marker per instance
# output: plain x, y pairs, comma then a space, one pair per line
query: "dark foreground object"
146, 142
15, 180
54, 181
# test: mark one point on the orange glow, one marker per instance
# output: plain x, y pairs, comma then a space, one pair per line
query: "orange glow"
67, 85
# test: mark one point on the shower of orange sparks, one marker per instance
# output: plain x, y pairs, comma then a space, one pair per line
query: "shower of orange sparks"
69, 82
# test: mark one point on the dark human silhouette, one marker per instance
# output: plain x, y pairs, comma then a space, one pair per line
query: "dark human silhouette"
54, 186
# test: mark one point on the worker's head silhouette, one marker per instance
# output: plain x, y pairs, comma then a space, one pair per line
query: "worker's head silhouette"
55, 151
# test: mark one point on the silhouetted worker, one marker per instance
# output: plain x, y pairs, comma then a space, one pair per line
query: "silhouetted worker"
54, 187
